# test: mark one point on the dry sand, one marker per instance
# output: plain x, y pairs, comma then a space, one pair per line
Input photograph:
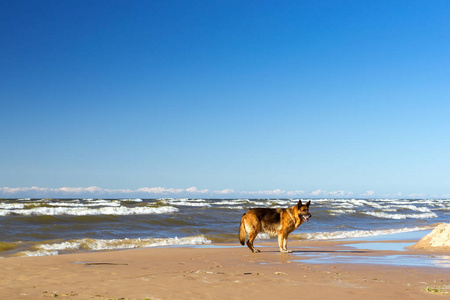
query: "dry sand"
216, 273
438, 239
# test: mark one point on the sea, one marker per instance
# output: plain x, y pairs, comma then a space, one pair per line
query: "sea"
40, 227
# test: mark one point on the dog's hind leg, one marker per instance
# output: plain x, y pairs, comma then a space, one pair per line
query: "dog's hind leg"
251, 225
251, 237
242, 231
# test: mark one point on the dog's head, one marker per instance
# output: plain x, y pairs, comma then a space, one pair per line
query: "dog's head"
303, 210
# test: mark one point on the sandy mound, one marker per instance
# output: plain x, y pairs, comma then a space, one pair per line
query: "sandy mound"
438, 239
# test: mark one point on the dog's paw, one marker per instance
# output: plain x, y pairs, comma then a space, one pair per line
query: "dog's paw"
256, 251
286, 251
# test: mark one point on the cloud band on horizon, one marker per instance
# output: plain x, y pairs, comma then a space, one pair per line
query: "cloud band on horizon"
143, 192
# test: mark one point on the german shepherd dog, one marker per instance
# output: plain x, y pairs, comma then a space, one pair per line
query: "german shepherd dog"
274, 221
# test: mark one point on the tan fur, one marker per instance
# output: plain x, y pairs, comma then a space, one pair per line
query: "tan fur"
280, 222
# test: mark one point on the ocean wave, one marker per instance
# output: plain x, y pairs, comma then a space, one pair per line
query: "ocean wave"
37, 253
412, 207
114, 203
354, 233
341, 211
11, 206
5, 246
229, 202
186, 202
362, 203
113, 244
388, 208
229, 207
83, 211
132, 200
384, 215
65, 203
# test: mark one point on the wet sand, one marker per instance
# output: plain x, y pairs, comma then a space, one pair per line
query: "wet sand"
230, 272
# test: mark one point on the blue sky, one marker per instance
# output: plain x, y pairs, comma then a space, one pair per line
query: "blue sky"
225, 99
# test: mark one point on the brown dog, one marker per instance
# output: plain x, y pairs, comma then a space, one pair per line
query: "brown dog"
274, 221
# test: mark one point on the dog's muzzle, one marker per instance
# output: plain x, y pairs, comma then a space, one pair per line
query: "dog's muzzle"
305, 217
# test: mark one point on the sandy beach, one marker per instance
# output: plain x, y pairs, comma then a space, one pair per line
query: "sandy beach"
226, 272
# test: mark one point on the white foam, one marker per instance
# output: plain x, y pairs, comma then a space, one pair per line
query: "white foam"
11, 206
344, 205
187, 202
103, 244
192, 204
384, 215
132, 200
232, 207
83, 211
412, 207
341, 211
228, 202
362, 203
77, 204
38, 253
355, 233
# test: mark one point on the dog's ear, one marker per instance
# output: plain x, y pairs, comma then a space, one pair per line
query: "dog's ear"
308, 203
299, 204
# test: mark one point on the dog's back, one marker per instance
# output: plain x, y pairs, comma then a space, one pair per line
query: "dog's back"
267, 215
269, 219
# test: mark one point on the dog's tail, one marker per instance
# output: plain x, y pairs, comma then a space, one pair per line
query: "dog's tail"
242, 231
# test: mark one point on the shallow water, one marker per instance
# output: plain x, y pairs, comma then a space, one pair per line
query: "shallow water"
400, 246
58, 226
401, 259
439, 261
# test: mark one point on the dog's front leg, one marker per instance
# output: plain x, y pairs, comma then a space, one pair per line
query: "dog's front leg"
285, 244
282, 243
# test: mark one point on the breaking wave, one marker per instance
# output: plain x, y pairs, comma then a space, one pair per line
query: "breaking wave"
384, 215
86, 211
354, 233
112, 244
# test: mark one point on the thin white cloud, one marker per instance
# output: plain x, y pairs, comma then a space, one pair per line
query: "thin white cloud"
224, 192
340, 193
367, 194
416, 195
336, 194
98, 191
195, 190
78, 190
316, 193
158, 190
150, 192
295, 193
265, 193
395, 195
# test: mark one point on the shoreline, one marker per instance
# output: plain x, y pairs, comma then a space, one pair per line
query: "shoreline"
81, 245
227, 271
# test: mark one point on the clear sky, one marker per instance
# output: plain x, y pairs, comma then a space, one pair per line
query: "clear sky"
225, 98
